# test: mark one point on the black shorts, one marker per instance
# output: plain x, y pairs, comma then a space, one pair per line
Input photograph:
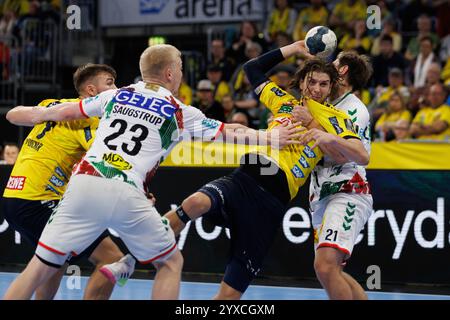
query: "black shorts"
253, 216
29, 217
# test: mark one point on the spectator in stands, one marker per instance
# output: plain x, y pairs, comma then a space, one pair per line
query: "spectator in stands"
206, 102
411, 11
386, 60
281, 19
282, 76
424, 27
241, 118
283, 39
219, 58
314, 15
7, 23
433, 123
363, 95
357, 39
248, 34
252, 51
228, 107
10, 153
185, 92
432, 77
380, 102
34, 11
423, 62
389, 29
18, 6
401, 130
246, 101
221, 87
36, 43
395, 117
433, 74
344, 15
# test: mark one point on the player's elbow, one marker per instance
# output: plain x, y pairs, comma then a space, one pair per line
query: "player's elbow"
250, 65
10, 116
13, 116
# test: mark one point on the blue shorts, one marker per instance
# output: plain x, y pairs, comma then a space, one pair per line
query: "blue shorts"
253, 216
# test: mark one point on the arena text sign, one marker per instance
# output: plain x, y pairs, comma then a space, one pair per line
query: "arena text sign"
297, 228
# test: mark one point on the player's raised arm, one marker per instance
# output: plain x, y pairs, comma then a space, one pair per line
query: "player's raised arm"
257, 68
30, 116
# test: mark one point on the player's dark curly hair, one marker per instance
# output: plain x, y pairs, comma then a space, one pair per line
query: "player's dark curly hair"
88, 71
315, 65
359, 66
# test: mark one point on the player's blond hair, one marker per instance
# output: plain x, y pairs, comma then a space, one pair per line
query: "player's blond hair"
155, 59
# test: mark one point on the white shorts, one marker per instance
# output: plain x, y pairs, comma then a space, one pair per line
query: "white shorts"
338, 220
93, 204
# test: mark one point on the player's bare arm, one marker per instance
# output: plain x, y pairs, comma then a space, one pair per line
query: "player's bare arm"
296, 48
30, 116
351, 149
278, 137
340, 149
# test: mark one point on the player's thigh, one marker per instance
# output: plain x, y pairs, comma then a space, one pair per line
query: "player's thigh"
28, 217
222, 198
78, 220
145, 233
256, 218
344, 216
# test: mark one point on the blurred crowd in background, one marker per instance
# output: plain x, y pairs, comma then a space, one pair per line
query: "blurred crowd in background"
407, 95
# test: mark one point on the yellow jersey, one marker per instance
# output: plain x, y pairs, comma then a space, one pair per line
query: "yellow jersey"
45, 161
222, 90
185, 94
298, 161
392, 118
442, 113
308, 18
425, 116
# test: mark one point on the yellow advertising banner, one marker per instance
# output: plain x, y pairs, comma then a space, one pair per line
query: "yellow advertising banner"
410, 156
384, 156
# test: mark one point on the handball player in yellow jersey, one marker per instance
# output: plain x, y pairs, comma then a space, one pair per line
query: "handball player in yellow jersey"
42, 171
252, 200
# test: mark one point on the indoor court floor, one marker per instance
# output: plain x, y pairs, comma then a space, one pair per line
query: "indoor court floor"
138, 289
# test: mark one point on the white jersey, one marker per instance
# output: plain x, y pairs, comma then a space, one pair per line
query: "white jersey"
328, 177
139, 126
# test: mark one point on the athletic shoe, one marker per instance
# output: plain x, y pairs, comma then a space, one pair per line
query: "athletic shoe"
119, 272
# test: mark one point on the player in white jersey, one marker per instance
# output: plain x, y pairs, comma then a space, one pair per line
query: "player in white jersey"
139, 126
340, 199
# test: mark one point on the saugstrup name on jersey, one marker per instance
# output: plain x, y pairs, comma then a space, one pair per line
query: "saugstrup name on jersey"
139, 114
